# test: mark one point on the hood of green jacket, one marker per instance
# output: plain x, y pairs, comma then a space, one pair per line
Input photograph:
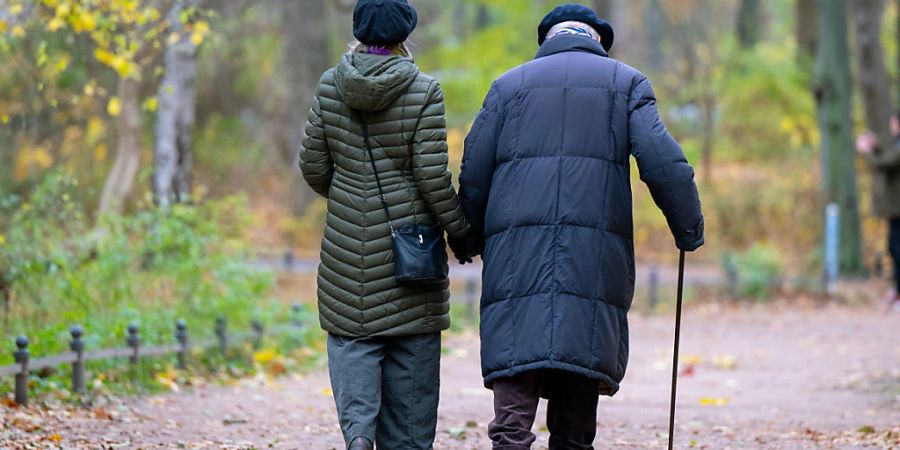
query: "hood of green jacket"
372, 82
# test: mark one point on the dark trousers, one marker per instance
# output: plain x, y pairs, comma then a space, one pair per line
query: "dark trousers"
571, 410
894, 246
386, 389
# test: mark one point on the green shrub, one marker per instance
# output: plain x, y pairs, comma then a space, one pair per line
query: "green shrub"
153, 268
758, 271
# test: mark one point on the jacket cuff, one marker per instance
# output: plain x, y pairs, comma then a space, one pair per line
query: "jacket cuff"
693, 238
459, 227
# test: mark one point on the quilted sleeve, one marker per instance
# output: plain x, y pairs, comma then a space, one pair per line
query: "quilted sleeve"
479, 161
315, 161
429, 162
664, 168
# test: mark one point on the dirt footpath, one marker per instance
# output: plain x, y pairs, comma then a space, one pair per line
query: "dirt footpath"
754, 377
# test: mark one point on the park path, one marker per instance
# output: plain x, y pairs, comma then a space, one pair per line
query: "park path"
773, 377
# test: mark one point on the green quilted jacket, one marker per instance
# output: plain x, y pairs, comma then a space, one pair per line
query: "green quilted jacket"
404, 109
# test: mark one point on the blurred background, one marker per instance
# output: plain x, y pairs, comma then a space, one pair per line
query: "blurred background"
148, 149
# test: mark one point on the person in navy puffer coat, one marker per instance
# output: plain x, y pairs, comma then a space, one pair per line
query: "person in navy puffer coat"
545, 184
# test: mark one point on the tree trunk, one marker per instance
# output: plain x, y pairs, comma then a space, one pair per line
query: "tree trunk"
708, 108
482, 17
461, 21
604, 9
120, 180
6, 297
748, 23
303, 28
656, 28
806, 30
873, 78
175, 116
832, 91
609, 10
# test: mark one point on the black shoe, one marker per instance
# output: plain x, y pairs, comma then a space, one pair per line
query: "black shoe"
360, 443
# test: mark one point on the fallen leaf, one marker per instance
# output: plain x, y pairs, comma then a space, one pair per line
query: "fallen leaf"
689, 359
866, 429
26, 423
55, 438
100, 413
232, 421
168, 378
724, 362
713, 401
264, 356
457, 433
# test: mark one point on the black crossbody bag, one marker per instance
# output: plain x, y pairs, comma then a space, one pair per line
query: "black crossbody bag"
420, 253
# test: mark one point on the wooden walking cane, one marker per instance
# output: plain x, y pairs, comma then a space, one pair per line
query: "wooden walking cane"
675, 354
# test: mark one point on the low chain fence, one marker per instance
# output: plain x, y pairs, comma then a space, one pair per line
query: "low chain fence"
134, 351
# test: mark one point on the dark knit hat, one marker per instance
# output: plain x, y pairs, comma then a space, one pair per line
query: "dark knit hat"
383, 22
578, 13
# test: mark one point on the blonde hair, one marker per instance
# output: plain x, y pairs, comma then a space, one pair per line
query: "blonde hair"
400, 49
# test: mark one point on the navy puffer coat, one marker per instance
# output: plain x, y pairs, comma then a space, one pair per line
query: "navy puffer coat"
545, 181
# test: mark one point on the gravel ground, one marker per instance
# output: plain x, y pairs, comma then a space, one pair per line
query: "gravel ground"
752, 377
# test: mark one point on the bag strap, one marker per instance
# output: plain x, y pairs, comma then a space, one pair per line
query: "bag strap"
384, 204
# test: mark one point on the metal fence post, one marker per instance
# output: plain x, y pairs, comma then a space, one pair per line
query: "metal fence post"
258, 331
832, 247
181, 335
732, 277
221, 333
296, 309
134, 341
77, 346
21, 356
653, 292
878, 266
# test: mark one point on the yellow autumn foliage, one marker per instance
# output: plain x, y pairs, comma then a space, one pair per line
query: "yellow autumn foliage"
196, 38
55, 24
94, 129
100, 153
83, 21
121, 64
32, 159
114, 107
150, 104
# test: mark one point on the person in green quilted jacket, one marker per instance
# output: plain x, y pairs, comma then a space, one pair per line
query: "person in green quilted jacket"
384, 339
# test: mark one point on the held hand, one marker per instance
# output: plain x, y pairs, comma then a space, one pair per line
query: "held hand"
866, 143
464, 249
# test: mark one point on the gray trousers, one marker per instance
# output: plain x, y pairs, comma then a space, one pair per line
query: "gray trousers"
387, 388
